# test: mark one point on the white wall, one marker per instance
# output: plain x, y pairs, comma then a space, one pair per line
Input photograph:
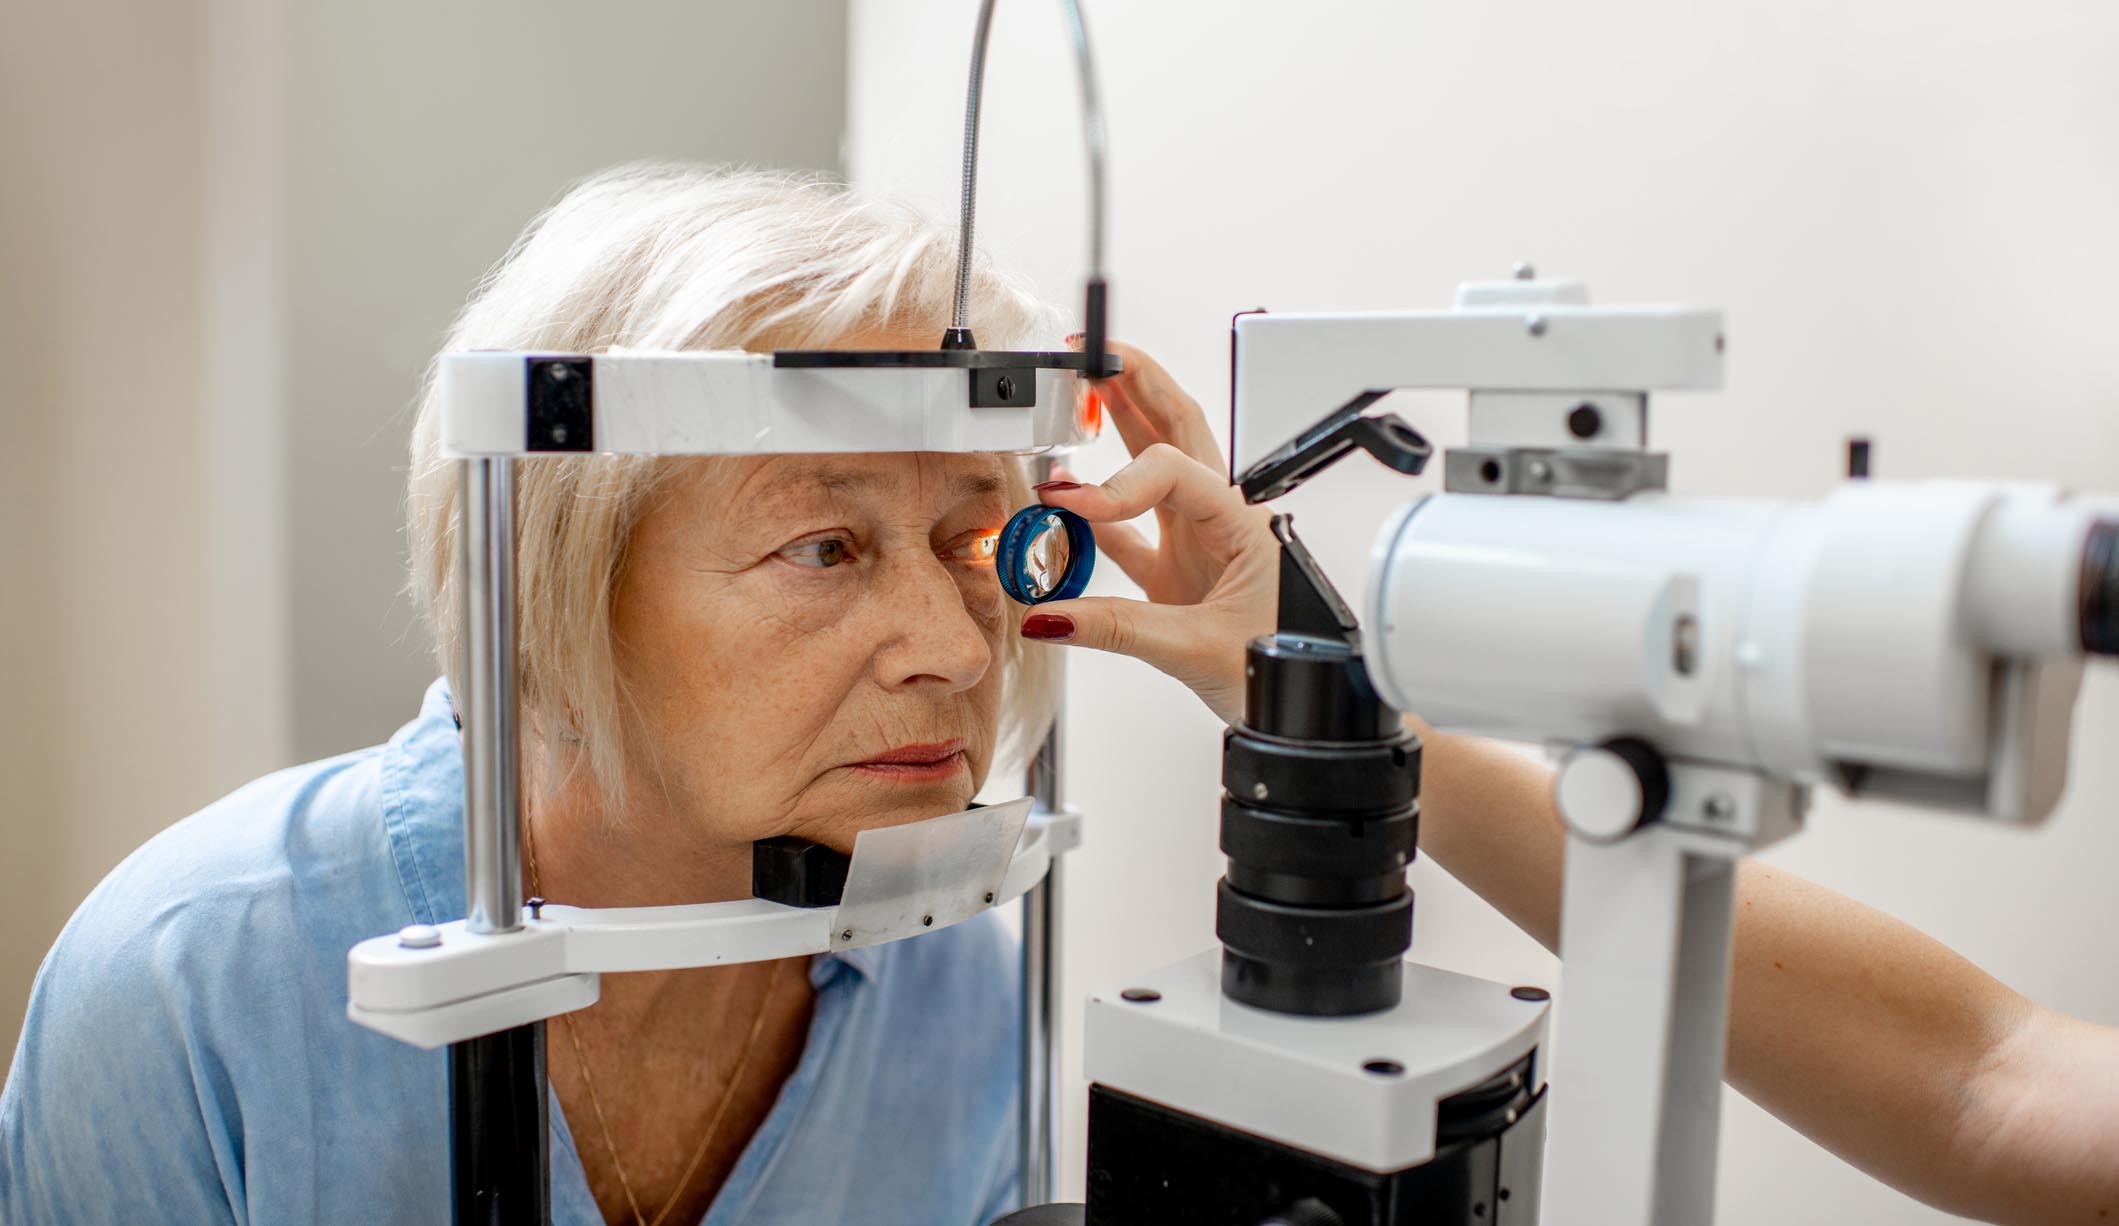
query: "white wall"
1905, 208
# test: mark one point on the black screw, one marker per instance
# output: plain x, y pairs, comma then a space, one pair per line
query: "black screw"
1140, 996
536, 906
1530, 994
1584, 421
846, 934
1490, 472
1004, 387
927, 921
989, 897
1384, 1068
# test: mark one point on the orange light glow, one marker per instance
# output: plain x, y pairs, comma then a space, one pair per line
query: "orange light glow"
1089, 412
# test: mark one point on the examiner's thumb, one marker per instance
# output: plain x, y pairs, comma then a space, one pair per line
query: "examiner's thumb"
1177, 639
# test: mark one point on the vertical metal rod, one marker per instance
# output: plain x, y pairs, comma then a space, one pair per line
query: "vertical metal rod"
1038, 1100
492, 797
500, 1161
500, 1156
1645, 925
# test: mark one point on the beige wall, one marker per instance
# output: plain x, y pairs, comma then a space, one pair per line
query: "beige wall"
102, 616
1905, 207
424, 136
231, 232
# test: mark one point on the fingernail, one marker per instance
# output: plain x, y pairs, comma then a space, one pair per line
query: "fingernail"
1073, 340
1049, 627
1056, 487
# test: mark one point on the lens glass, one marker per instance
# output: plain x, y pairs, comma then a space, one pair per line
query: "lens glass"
1050, 555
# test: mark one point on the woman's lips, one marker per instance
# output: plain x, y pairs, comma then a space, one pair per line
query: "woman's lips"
916, 763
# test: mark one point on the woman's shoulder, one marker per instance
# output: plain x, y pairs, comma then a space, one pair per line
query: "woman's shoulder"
246, 859
205, 966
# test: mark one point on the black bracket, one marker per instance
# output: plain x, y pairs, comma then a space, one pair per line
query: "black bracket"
797, 873
1003, 388
561, 409
1309, 605
1386, 436
1000, 378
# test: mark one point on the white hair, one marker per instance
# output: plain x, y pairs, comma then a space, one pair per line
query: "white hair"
675, 257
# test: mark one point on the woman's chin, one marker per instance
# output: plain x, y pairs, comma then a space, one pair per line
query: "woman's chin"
867, 799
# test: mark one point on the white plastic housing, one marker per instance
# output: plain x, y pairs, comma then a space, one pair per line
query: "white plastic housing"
1302, 1081
736, 403
1913, 633
1521, 337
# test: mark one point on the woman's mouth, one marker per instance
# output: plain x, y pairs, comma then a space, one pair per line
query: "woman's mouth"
917, 763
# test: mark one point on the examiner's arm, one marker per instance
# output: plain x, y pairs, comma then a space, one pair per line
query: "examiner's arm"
1869, 1037
1864, 1034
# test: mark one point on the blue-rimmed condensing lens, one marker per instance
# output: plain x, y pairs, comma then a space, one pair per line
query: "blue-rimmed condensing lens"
1044, 554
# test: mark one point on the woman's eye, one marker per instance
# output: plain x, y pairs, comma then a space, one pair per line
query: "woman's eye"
820, 555
979, 548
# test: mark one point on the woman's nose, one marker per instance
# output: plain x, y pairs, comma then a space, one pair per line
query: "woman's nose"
932, 639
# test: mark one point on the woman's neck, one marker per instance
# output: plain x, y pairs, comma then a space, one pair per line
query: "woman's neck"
576, 854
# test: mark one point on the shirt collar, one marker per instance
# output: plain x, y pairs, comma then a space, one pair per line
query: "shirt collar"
423, 805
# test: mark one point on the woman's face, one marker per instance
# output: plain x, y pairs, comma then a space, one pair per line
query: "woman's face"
809, 645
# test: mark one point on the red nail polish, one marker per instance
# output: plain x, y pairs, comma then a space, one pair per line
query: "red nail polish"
1056, 487
1048, 627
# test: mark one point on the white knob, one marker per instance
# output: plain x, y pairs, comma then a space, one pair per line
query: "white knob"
1605, 791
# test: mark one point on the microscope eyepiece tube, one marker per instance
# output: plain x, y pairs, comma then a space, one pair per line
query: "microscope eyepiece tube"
2038, 578
2099, 599
1868, 635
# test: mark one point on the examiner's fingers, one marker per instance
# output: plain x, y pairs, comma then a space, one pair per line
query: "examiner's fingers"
1181, 640
1130, 548
1163, 476
1149, 407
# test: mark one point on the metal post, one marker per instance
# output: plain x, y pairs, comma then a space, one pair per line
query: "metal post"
500, 1154
485, 551
1038, 1102
1645, 940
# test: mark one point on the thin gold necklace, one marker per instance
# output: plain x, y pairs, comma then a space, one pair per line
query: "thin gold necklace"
588, 1081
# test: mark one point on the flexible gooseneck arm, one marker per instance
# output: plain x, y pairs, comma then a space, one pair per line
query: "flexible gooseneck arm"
1094, 308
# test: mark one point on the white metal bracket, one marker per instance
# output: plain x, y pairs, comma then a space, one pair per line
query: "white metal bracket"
445, 983
1645, 939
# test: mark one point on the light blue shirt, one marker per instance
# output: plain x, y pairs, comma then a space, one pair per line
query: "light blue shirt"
187, 1056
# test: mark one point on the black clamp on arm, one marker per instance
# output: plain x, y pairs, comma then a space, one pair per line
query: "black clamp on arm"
797, 873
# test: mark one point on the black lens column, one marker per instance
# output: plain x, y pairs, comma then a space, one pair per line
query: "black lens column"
1319, 818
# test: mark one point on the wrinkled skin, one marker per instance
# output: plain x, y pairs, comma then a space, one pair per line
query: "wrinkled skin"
785, 618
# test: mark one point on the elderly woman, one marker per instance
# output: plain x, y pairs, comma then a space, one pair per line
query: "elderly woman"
712, 652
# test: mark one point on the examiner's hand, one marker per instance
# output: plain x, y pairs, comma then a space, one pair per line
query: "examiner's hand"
1213, 571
